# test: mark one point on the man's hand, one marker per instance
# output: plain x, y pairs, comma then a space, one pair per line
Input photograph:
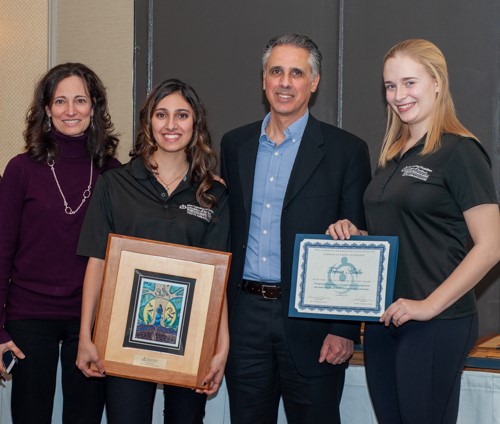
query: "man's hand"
336, 350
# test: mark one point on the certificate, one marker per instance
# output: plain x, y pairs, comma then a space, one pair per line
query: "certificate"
342, 279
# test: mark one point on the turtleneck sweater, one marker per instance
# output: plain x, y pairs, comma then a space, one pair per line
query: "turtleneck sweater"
41, 277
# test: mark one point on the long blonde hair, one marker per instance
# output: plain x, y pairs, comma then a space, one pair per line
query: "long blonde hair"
444, 118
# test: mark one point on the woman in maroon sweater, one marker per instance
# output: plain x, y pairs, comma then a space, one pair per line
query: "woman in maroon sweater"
70, 140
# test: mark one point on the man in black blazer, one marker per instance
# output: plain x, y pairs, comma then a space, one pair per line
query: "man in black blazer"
286, 175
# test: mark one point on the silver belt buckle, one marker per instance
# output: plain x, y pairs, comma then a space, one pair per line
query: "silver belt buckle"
264, 286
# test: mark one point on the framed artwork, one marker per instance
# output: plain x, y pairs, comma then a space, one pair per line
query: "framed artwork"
159, 310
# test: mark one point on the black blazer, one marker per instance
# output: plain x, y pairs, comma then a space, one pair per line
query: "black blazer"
328, 178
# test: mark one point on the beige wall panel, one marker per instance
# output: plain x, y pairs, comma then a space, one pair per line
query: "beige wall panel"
100, 34
23, 59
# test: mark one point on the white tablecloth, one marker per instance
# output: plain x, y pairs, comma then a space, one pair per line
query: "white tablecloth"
479, 401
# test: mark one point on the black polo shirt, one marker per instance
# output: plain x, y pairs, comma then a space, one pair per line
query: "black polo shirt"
130, 201
421, 199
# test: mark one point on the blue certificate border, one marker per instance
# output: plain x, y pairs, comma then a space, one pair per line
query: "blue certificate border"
334, 312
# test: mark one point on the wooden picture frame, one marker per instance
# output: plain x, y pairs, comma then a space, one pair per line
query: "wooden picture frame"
159, 310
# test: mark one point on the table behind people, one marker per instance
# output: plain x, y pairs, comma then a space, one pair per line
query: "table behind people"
287, 174
69, 141
479, 401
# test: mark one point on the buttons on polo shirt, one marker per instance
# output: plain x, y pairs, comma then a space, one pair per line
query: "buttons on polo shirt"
268, 205
164, 194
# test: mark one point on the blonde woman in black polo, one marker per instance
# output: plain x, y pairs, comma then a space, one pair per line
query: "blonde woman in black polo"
433, 189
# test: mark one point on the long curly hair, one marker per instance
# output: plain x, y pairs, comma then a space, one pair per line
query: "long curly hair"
444, 118
102, 141
199, 153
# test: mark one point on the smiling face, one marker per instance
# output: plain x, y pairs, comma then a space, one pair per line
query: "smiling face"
288, 81
71, 107
172, 124
411, 92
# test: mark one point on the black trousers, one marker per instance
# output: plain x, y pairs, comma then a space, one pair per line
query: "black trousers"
414, 371
34, 378
131, 402
260, 370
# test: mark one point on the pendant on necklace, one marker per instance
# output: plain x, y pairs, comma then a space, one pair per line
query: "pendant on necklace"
167, 185
86, 193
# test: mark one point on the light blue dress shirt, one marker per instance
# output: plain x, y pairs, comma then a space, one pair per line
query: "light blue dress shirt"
272, 172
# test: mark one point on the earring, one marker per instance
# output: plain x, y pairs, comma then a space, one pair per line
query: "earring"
92, 121
49, 124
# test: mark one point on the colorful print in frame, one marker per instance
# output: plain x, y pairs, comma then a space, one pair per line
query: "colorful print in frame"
159, 314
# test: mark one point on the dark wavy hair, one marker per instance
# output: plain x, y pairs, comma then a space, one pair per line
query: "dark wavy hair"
102, 141
199, 152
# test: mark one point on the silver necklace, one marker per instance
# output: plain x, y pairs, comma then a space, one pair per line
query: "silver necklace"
86, 192
167, 185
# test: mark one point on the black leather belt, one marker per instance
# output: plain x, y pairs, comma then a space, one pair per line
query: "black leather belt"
267, 291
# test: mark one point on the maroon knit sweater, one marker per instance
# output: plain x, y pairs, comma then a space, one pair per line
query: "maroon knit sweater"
41, 276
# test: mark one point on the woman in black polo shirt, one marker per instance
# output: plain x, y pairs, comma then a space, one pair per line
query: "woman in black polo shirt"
433, 189
167, 193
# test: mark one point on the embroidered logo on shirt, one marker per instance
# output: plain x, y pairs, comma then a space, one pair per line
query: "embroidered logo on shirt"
198, 211
416, 171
